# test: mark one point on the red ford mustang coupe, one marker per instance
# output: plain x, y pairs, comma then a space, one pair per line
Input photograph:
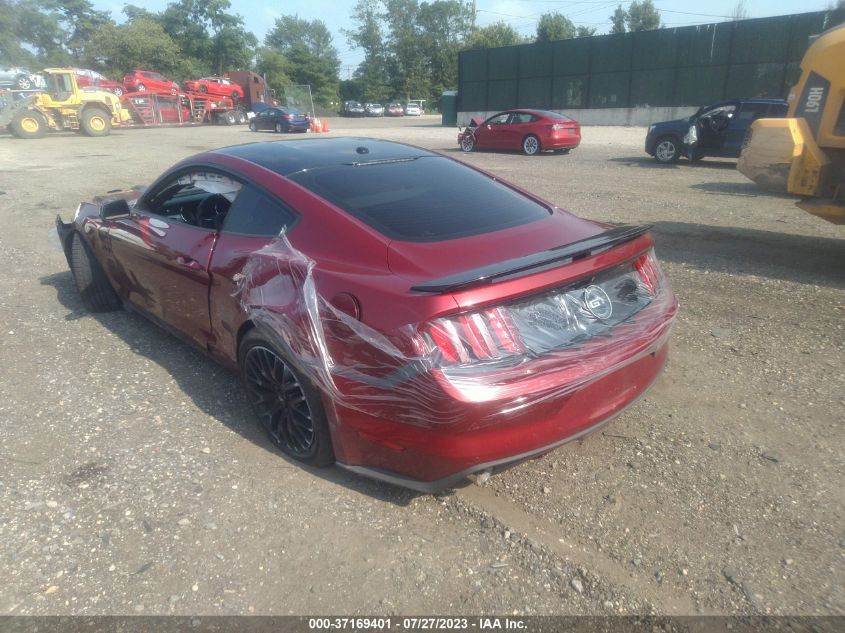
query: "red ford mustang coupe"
388, 308
532, 131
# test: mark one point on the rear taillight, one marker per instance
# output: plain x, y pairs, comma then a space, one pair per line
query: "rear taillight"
477, 336
646, 266
548, 321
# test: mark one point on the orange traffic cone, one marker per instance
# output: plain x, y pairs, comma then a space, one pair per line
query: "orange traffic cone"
325, 124
313, 126
317, 126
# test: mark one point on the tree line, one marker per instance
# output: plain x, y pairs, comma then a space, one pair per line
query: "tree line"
410, 46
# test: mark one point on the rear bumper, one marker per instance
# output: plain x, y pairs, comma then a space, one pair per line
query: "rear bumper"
570, 141
440, 456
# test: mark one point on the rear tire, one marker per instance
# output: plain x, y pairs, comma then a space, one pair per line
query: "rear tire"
204, 89
91, 281
242, 117
95, 122
531, 145
141, 87
230, 118
29, 124
288, 405
23, 83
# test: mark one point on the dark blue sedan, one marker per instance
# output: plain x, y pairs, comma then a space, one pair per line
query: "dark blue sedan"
280, 120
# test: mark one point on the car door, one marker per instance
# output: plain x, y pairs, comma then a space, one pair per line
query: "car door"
711, 127
162, 249
515, 130
255, 219
738, 127
487, 136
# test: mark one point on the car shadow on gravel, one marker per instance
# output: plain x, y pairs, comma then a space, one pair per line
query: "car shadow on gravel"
799, 258
213, 389
649, 162
746, 189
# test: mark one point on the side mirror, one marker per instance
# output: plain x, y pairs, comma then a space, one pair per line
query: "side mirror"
114, 208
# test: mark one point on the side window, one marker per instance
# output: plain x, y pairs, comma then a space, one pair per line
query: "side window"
200, 198
256, 213
778, 110
752, 111
499, 119
521, 117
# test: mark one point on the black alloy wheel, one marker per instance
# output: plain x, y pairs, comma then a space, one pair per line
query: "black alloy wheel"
282, 403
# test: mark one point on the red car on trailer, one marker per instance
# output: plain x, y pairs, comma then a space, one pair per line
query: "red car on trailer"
417, 321
216, 86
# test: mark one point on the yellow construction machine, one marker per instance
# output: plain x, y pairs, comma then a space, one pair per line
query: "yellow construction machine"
62, 106
804, 154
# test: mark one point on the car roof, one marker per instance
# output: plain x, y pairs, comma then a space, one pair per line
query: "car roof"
744, 100
289, 157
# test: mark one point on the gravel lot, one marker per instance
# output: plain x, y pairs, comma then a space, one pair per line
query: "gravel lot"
133, 479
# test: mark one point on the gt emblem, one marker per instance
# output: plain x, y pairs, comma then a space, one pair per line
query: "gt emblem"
597, 302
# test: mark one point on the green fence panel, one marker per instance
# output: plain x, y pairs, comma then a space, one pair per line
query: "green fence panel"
655, 49
755, 80
473, 96
501, 95
688, 66
535, 92
569, 92
611, 53
704, 45
762, 40
803, 26
473, 65
792, 75
535, 60
609, 90
699, 86
503, 63
652, 87
571, 57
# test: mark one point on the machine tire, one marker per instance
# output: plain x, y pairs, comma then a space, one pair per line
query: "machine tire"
230, 118
29, 124
204, 89
91, 281
242, 117
531, 145
667, 150
296, 396
95, 122
22, 82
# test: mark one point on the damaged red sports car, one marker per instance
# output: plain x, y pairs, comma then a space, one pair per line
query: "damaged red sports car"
388, 308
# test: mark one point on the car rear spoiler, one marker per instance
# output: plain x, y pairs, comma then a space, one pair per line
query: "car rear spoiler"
500, 271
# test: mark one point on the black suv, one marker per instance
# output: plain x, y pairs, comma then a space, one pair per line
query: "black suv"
715, 130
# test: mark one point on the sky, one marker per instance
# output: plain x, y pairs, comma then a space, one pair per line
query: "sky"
521, 14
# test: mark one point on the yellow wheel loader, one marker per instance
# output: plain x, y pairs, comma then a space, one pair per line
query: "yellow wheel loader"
62, 106
804, 154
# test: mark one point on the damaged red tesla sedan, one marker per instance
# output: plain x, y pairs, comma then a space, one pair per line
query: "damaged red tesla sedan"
388, 308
